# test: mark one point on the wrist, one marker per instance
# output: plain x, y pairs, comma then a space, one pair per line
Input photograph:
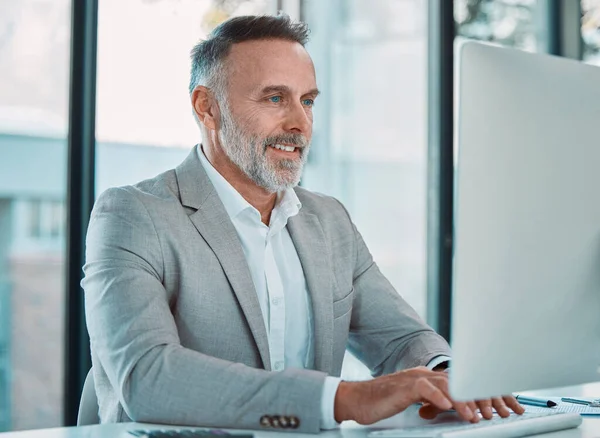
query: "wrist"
342, 401
441, 367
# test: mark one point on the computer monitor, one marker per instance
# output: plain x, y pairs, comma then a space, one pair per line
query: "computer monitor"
526, 284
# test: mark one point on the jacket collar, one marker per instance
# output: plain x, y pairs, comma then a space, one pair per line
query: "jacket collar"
212, 221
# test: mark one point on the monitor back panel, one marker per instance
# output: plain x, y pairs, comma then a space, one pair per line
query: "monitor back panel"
526, 285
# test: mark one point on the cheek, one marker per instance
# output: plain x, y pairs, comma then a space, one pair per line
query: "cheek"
259, 116
265, 122
250, 126
309, 114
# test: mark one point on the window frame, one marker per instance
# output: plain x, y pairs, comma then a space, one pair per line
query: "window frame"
80, 196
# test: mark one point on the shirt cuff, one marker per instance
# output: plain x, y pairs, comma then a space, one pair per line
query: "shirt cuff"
438, 360
327, 403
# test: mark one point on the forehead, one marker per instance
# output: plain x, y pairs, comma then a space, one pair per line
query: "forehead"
252, 64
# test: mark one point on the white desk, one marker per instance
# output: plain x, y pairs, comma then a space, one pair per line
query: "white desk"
589, 429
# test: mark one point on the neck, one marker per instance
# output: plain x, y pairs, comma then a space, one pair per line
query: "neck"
255, 195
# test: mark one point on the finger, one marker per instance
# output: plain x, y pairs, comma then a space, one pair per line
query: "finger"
485, 406
513, 404
462, 408
500, 407
473, 407
429, 411
429, 392
464, 411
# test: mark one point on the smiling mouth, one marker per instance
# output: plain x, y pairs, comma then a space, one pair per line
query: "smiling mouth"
284, 147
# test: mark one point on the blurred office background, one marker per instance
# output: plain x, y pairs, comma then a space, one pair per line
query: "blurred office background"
373, 144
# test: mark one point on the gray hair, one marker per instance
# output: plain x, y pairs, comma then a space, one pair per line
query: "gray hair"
208, 68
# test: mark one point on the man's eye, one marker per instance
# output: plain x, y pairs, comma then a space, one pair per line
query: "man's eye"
308, 102
275, 99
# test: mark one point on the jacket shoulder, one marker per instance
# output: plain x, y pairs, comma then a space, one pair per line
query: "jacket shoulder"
162, 187
325, 207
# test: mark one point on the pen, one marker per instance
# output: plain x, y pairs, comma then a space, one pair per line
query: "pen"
592, 404
575, 400
535, 401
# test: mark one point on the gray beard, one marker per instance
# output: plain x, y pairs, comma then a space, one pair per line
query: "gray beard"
249, 153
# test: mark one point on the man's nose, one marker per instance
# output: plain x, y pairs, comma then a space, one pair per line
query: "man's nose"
297, 120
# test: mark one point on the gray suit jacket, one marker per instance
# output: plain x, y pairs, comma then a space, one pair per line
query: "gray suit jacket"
176, 330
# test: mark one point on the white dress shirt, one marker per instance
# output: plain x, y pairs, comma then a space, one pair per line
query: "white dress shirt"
279, 282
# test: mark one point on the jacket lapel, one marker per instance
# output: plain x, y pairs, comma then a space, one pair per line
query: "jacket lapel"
213, 223
309, 240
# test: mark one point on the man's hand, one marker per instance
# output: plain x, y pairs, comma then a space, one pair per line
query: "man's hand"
373, 400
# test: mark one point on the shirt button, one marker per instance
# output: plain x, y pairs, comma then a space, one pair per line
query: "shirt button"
278, 366
276, 301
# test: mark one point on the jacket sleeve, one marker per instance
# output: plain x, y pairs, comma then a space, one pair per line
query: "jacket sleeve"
134, 336
386, 333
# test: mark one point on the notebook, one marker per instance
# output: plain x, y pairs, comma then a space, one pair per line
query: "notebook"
565, 407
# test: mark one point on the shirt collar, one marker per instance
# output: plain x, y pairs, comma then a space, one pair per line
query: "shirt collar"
286, 206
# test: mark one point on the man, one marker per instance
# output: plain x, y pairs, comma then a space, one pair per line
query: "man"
220, 294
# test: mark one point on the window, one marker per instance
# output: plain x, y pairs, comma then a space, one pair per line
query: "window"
513, 23
34, 73
57, 220
369, 143
46, 219
590, 30
144, 115
35, 219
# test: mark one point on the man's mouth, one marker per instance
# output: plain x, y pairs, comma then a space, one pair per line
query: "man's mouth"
284, 147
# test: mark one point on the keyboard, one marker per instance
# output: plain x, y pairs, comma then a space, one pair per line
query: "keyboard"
515, 426
186, 433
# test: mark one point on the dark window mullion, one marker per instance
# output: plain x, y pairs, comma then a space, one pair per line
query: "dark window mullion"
564, 27
440, 164
80, 194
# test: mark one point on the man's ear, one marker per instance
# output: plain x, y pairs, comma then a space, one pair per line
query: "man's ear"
205, 106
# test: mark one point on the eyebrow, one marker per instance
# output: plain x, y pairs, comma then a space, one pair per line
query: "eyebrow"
285, 89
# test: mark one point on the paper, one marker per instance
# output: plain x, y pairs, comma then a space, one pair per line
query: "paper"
562, 406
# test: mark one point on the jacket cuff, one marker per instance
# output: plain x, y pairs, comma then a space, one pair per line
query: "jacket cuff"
438, 360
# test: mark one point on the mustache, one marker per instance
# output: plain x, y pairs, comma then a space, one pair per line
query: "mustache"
296, 139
